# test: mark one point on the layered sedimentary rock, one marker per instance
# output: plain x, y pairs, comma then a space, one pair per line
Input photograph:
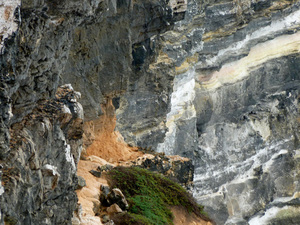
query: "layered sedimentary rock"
235, 107
220, 86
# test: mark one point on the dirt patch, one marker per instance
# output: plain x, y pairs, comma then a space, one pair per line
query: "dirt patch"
181, 216
88, 196
7, 12
104, 146
103, 141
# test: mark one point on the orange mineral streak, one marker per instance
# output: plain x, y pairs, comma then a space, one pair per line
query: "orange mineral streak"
108, 143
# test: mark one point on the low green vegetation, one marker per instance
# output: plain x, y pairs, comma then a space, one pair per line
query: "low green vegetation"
150, 196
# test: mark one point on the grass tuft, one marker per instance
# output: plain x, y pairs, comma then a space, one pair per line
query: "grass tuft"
150, 196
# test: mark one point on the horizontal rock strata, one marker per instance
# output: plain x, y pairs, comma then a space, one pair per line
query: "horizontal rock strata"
214, 81
235, 107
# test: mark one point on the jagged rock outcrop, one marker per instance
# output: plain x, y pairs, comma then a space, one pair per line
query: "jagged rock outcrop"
235, 107
39, 175
176, 168
45, 44
220, 86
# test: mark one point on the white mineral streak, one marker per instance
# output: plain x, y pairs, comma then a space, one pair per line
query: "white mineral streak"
52, 169
69, 157
66, 110
182, 108
78, 109
288, 22
274, 212
256, 160
7, 19
270, 213
1, 190
259, 54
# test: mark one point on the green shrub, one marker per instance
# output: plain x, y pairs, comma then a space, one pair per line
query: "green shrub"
150, 196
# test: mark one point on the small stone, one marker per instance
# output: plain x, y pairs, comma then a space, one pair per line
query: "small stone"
103, 200
105, 218
81, 183
96, 207
103, 196
106, 167
114, 208
104, 189
96, 173
116, 196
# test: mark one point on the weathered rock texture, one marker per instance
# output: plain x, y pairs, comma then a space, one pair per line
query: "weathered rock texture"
176, 168
235, 107
94, 45
39, 175
221, 86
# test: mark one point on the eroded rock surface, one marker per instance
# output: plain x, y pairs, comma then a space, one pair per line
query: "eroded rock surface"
176, 168
39, 175
219, 86
45, 44
235, 106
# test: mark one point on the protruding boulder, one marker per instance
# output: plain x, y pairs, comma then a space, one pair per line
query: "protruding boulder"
81, 182
116, 196
97, 172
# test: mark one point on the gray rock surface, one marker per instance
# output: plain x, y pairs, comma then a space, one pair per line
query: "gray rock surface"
89, 44
215, 81
81, 182
39, 175
178, 169
235, 106
107, 51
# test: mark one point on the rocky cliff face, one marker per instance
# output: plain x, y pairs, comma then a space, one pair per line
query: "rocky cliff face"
216, 81
39, 175
235, 107
45, 44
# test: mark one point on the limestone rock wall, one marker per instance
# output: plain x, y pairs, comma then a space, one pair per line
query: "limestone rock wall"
216, 81
93, 45
234, 108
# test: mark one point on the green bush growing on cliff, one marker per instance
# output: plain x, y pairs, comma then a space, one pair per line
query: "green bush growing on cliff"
150, 196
